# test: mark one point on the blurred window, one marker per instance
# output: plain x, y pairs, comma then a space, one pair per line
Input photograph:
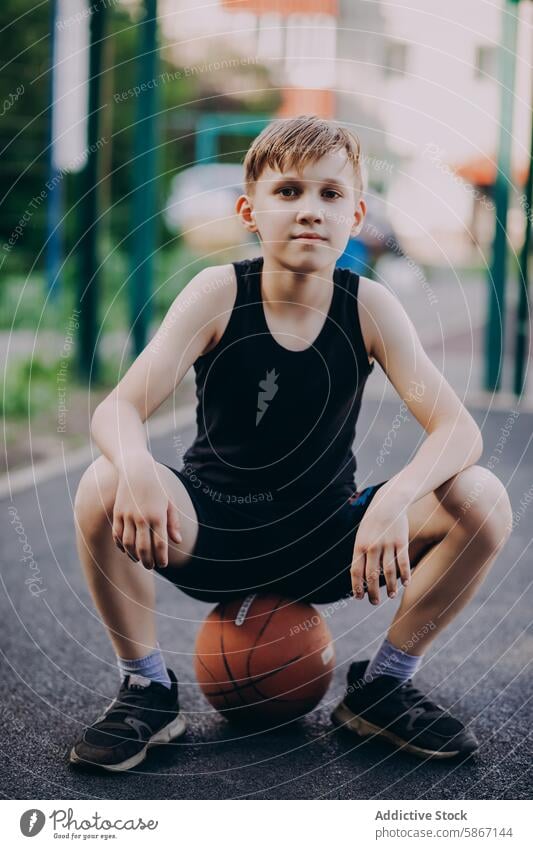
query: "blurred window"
486, 61
270, 38
310, 51
396, 54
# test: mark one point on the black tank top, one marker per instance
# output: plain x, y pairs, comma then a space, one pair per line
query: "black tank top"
276, 423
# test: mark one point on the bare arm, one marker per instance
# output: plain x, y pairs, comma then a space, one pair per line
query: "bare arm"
184, 334
143, 516
453, 440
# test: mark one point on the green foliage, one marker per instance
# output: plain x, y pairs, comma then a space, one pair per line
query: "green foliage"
32, 385
29, 388
24, 49
21, 302
182, 96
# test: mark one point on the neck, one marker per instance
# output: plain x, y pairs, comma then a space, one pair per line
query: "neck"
302, 289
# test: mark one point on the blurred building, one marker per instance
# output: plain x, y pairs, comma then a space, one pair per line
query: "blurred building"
418, 83
295, 39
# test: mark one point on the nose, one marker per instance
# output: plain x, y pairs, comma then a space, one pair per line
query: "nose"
310, 213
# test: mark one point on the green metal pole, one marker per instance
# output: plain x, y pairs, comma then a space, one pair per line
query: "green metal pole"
522, 317
89, 277
494, 339
212, 126
206, 143
54, 201
144, 169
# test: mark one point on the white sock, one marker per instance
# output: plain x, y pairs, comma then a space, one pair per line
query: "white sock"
389, 660
152, 666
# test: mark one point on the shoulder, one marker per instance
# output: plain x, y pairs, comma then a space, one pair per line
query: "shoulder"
372, 294
215, 288
198, 298
215, 278
199, 307
208, 291
381, 315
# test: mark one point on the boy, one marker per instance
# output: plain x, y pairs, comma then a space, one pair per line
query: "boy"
282, 346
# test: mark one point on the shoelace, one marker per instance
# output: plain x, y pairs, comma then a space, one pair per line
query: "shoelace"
411, 696
128, 703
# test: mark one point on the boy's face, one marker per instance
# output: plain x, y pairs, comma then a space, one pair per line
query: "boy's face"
321, 200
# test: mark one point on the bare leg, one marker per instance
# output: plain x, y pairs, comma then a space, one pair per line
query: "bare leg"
123, 591
473, 512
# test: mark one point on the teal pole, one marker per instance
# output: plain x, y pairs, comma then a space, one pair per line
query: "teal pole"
144, 169
522, 317
212, 126
54, 205
89, 274
494, 338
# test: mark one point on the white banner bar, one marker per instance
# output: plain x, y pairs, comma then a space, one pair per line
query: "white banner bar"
281, 824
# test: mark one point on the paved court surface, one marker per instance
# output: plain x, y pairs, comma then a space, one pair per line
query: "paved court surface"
58, 670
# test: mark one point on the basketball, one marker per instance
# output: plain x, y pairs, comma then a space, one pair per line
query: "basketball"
264, 659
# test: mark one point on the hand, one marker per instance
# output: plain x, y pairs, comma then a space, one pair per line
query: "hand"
143, 516
382, 539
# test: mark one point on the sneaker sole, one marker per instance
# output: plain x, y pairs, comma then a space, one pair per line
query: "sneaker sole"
169, 732
345, 718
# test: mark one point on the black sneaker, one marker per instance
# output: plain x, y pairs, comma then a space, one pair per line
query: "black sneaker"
401, 714
144, 714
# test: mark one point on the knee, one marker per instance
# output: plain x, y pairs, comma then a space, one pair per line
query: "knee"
95, 496
479, 502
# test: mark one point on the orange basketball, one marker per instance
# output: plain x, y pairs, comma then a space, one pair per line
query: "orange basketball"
264, 659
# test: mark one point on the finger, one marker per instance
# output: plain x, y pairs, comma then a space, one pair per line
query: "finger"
159, 545
357, 571
118, 530
373, 557
173, 523
143, 544
128, 539
389, 570
404, 566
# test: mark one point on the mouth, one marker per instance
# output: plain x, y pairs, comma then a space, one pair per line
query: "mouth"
309, 237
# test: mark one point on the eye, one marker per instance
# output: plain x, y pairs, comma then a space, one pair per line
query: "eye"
286, 189
332, 192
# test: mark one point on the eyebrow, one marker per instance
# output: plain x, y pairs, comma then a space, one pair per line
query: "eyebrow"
332, 181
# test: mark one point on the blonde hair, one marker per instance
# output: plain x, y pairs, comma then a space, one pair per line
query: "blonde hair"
292, 143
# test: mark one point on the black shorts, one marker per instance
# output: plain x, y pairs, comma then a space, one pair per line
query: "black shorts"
303, 552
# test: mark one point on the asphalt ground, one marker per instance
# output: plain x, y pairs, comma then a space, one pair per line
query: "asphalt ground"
58, 668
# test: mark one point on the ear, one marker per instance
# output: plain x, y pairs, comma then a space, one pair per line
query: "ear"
245, 211
359, 217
